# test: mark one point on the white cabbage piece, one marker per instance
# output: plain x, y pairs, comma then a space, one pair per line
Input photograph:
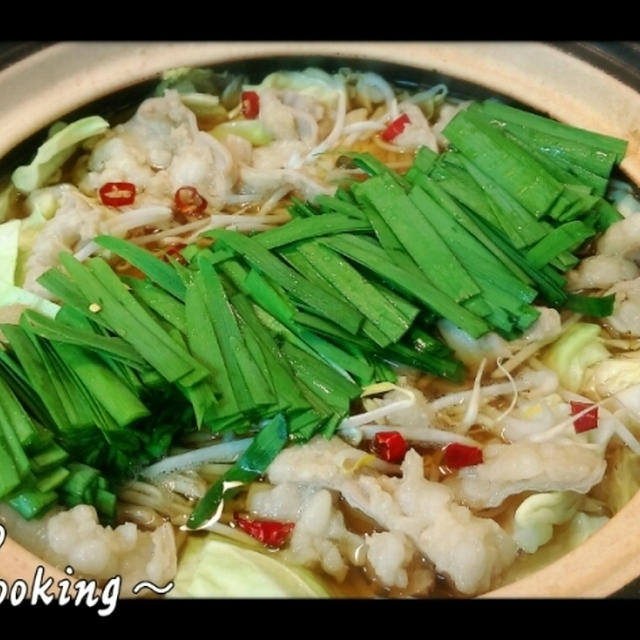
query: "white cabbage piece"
576, 349
612, 376
7, 196
204, 105
42, 205
53, 153
583, 526
565, 539
214, 567
77, 538
253, 131
14, 299
472, 551
509, 469
9, 235
622, 480
371, 90
312, 82
537, 515
195, 79
630, 400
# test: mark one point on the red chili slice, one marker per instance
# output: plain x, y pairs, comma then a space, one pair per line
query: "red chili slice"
587, 421
395, 128
457, 456
250, 104
117, 194
273, 534
189, 202
390, 446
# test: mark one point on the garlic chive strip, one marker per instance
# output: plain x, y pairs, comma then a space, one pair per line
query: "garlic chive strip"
115, 347
325, 304
155, 269
133, 324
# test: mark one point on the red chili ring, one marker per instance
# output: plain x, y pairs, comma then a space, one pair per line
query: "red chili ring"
117, 194
189, 202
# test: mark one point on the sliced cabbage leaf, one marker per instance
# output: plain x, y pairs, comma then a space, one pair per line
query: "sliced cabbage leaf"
204, 105
9, 234
536, 516
42, 205
575, 350
313, 82
570, 536
187, 80
583, 526
213, 567
368, 89
12, 295
7, 196
612, 375
9, 293
251, 130
621, 481
53, 153
630, 400
619, 377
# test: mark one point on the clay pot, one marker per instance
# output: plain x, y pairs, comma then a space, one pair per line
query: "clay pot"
56, 80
